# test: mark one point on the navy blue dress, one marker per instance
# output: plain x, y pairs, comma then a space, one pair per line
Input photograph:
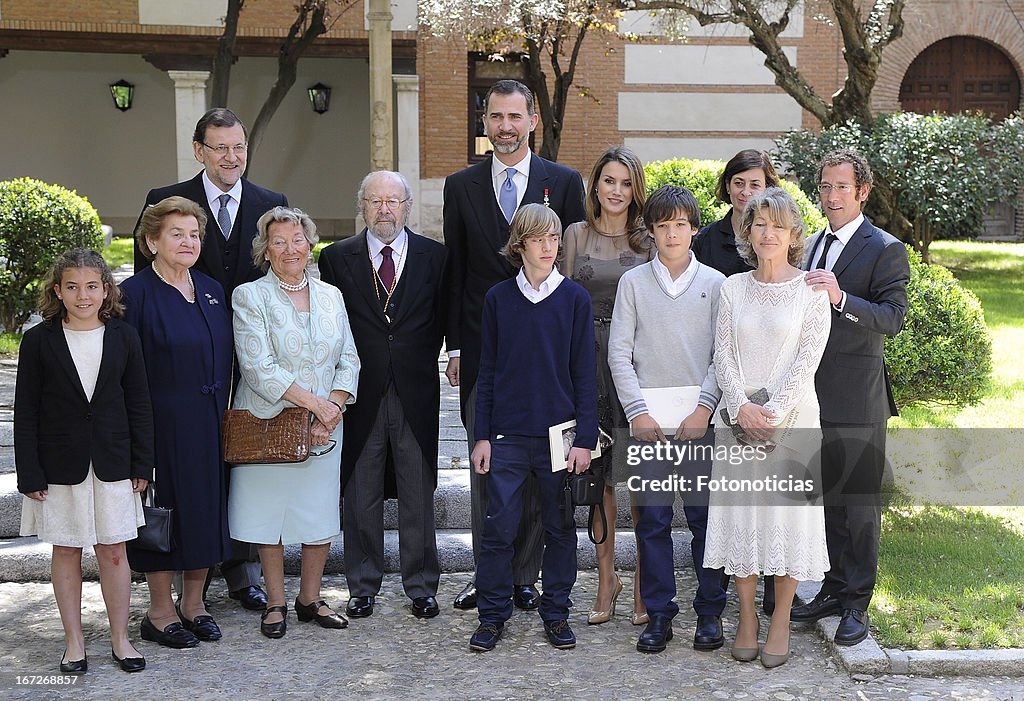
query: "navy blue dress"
188, 351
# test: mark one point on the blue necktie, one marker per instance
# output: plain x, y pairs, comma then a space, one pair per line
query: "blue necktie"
508, 195
224, 216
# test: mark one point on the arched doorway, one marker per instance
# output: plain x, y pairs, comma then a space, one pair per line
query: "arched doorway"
959, 74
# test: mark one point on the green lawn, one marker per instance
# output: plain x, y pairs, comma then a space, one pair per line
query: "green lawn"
119, 252
953, 576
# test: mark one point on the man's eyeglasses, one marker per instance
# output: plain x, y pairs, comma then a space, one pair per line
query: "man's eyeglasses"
842, 188
377, 203
223, 150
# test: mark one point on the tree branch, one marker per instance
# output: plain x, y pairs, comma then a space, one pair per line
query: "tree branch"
225, 56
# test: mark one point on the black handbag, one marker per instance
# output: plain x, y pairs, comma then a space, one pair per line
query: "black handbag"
155, 536
585, 489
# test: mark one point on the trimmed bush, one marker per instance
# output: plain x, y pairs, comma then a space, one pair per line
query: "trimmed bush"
944, 352
701, 178
38, 222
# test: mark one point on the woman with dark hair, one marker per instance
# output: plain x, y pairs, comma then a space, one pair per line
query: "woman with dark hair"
598, 251
746, 174
182, 317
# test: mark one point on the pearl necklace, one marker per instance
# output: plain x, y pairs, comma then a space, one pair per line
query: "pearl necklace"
294, 288
188, 274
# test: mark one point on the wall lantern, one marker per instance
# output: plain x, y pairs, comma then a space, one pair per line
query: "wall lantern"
320, 97
122, 91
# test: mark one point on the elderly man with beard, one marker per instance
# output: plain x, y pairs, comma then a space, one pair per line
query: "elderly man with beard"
393, 282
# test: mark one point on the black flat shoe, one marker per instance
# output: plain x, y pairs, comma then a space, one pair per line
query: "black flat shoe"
708, 635
656, 635
274, 630
252, 598
203, 627
817, 608
174, 635
425, 607
525, 597
129, 664
466, 600
311, 613
360, 606
853, 628
74, 666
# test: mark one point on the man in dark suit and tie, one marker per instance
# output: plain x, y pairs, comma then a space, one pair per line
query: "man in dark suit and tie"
393, 282
479, 202
865, 271
232, 205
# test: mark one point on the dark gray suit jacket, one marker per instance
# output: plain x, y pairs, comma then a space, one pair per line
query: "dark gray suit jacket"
851, 381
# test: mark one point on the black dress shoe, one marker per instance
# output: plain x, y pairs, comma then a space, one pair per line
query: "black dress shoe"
817, 608
708, 634
466, 599
173, 635
560, 635
129, 664
425, 607
360, 606
486, 636
252, 598
274, 630
525, 597
203, 627
768, 599
74, 666
853, 627
311, 612
656, 635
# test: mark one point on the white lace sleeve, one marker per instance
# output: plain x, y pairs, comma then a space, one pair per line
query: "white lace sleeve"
791, 383
727, 367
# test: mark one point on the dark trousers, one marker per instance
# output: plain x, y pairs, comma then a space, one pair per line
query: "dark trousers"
363, 522
654, 535
852, 465
513, 460
529, 542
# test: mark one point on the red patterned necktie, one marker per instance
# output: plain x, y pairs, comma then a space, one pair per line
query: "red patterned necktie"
387, 269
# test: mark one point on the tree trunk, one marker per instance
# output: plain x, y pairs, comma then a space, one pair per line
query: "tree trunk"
220, 76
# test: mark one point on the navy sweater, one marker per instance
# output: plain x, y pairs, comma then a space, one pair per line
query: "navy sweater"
537, 364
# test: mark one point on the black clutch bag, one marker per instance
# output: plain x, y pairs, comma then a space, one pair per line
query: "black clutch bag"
155, 536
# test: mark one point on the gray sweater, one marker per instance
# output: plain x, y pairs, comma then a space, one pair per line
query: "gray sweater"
657, 340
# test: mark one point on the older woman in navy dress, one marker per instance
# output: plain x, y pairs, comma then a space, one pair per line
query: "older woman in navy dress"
183, 320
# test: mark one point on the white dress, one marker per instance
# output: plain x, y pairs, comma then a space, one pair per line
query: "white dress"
93, 511
771, 336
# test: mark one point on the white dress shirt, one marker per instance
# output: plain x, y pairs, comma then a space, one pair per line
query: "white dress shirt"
213, 194
843, 237
399, 248
678, 286
539, 294
521, 178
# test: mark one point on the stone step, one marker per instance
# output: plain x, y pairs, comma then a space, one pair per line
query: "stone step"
451, 505
28, 559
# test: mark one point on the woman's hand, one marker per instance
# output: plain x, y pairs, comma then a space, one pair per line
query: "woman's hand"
754, 420
139, 485
38, 495
645, 428
318, 433
328, 414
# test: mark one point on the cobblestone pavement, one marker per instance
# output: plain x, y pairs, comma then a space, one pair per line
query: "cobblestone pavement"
393, 655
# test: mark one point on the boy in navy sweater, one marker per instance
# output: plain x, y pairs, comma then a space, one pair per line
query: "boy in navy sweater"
536, 371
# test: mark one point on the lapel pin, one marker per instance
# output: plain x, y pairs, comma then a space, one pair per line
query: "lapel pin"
547, 202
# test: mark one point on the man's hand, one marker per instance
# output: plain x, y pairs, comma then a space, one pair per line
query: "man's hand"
481, 457
695, 425
645, 428
825, 280
578, 460
452, 371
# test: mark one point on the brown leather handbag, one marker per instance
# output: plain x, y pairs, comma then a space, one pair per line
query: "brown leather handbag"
284, 438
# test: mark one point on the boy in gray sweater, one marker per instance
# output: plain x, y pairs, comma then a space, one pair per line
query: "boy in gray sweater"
662, 335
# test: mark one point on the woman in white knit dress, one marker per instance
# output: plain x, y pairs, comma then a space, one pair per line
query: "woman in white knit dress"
771, 332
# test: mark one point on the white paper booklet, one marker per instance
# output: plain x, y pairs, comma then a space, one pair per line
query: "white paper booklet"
560, 439
670, 405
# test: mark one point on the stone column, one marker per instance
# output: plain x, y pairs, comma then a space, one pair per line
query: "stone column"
381, 138
189, 106
407, 88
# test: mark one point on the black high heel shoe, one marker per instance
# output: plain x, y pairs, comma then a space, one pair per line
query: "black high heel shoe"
275, 630
129, 664
74, 666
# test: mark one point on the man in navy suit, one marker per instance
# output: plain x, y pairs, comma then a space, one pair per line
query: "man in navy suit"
479, 202
393, 282
232, 205
865, 271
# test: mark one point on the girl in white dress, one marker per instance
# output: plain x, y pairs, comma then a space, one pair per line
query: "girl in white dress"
83, 435
771, 332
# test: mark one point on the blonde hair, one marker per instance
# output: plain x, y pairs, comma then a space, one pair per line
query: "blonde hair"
782, 210
530, 220
153, 216
51, 307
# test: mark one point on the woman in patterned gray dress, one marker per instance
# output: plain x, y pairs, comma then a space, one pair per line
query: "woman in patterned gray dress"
598, 251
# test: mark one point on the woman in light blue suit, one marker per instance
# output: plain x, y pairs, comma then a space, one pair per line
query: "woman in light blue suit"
294, 348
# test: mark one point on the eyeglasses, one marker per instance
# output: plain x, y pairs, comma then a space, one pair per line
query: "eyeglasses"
316, 451
842, 188
377, 203
223, 150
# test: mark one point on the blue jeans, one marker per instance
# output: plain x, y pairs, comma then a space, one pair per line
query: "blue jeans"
654, 534
513, 458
